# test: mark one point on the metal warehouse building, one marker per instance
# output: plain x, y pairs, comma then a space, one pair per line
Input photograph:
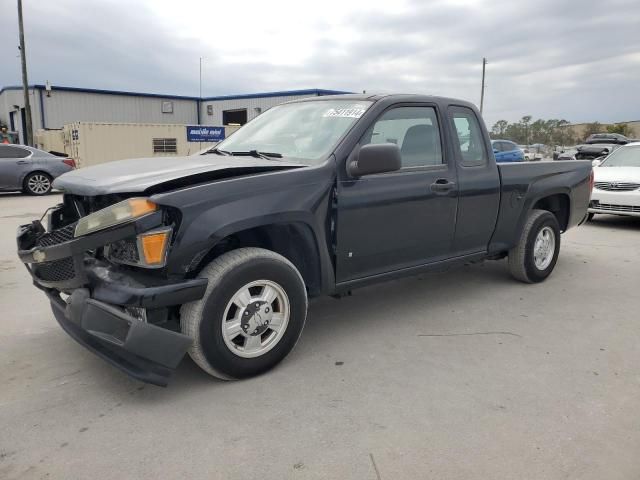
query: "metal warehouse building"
54, 106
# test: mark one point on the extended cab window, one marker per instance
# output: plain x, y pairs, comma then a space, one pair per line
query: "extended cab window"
470, 138
414, 129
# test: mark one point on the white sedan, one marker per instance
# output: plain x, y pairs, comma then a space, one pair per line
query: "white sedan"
616, 189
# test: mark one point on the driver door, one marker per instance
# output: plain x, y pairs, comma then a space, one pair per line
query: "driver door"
401, 219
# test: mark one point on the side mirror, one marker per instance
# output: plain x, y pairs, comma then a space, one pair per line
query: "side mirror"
495, 150
375, 158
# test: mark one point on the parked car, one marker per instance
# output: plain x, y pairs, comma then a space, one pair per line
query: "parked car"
507, 151
614, 138
217, 254
30, 170
567, 153
617, 183
594, 150
525, 152
531, 153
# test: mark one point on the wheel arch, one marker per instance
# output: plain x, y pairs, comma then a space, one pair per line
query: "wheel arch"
31, 172
557, 203
294, 240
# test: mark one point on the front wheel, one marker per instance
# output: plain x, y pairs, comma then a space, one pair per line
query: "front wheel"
536, 254
251, 315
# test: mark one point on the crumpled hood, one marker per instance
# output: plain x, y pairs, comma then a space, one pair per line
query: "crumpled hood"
139, 174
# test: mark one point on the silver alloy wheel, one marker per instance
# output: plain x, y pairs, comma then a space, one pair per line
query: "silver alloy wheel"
39, 184
255, 318
544, 248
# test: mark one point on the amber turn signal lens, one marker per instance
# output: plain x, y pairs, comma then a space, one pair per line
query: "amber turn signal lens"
141, 206
154, 246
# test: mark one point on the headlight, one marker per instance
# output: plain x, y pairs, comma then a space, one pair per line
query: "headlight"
148, 249
117, 214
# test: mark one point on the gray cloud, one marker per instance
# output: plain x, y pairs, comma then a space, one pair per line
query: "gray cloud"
563, 59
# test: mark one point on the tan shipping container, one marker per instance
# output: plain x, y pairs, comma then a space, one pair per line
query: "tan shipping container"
50, 140
92, 143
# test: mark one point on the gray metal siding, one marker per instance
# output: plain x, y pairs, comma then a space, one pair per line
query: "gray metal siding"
66, 107
9, 98
249, 103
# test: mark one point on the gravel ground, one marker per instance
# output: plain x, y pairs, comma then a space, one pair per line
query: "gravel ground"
465, 374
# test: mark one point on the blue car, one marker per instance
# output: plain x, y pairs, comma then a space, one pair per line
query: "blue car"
507, 151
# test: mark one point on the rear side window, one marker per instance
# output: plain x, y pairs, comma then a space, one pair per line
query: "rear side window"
470, 139
9, 151
416, 132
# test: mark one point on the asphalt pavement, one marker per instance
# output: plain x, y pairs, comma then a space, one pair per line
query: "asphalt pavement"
464, 374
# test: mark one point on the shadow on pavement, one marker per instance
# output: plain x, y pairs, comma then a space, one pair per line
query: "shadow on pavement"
615, 221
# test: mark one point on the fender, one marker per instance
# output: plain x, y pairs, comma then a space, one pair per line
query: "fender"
214, 211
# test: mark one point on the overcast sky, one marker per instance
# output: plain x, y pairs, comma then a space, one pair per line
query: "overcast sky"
578, 60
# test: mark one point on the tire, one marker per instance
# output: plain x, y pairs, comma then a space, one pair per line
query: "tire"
523, 265
37, 183
590, 216
251, 271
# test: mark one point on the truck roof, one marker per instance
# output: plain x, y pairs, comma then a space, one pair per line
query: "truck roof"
393, 97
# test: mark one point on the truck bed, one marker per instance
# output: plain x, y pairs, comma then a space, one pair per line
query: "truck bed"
523, 184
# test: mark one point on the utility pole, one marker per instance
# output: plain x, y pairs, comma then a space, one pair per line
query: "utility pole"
484, 65
28, 140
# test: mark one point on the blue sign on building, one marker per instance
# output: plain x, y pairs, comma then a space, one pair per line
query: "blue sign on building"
204, 133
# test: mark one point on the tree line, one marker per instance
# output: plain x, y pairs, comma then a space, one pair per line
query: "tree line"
550, 132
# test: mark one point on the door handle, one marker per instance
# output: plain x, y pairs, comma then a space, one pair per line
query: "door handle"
22, 162
442, 185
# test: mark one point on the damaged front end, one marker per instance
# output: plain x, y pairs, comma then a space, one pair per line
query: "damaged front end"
100, 260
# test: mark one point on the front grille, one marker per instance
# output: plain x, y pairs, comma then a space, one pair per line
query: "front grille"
125, 251
55, 237
56, 271
616, 208
617, 186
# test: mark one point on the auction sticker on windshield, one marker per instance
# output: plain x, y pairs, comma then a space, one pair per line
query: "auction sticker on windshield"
351, 111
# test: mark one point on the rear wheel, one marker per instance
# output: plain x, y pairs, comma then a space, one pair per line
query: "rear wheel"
536, 254
251, 316
37, 183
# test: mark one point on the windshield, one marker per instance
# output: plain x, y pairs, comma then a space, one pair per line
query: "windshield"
304, 131
628, 156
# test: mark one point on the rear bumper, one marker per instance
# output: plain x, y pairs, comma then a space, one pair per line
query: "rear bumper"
145, 352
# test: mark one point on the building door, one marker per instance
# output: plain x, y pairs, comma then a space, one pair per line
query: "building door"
13, 124
234, 117
23, 130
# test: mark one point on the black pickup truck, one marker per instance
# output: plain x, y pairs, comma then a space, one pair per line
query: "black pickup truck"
216, 254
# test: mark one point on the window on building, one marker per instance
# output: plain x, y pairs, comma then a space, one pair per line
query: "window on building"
165, 145
234, 117
167, 107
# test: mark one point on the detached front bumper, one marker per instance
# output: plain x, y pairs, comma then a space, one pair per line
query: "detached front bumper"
101, 301
144, 351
